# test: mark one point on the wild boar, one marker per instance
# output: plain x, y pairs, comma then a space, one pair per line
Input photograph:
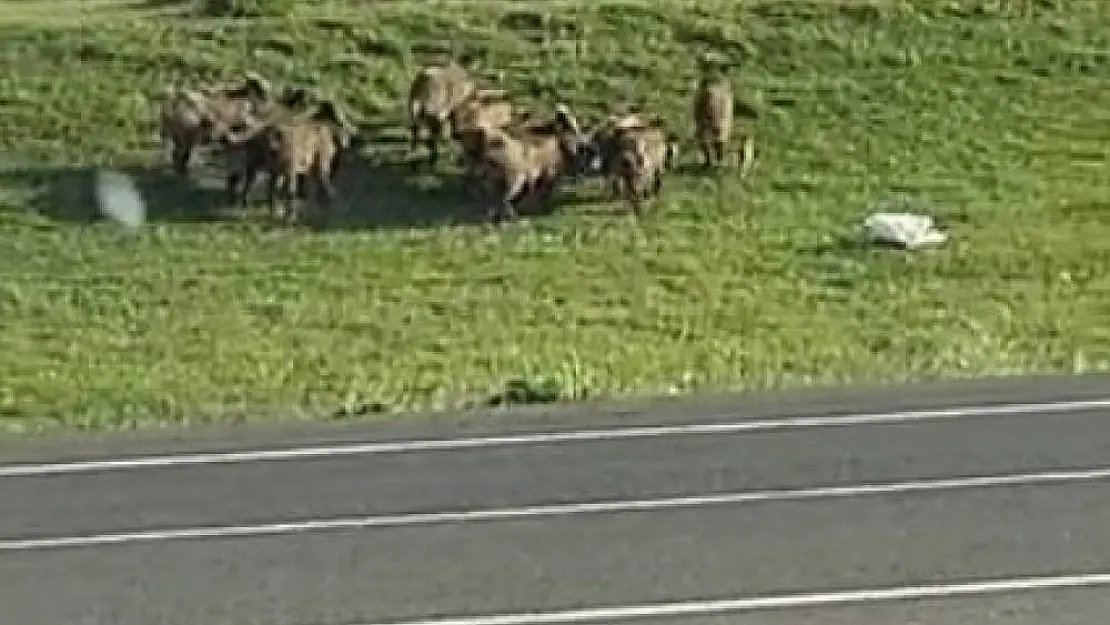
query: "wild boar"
516, 162
195, 117
713, 114
633, 152
294, 150
246, 151
485, 109
435, 93
641, 155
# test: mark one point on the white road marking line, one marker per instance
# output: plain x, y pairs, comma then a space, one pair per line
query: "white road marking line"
565, 509
783, 601
576, 436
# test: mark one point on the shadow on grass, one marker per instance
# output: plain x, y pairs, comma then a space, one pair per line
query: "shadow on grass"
852, 246
182, 5
403, 193
69, 194
840, 245
379, 194
516, 392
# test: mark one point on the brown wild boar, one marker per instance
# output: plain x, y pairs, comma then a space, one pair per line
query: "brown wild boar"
485, 109
641, 155
514, 163
435, 93
246, 152
195, 117
713, 113
631, 152
294, 150
603, 141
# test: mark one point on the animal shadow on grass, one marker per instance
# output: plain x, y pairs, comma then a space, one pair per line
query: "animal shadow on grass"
842, 244
69, 194
181, 5
386, 193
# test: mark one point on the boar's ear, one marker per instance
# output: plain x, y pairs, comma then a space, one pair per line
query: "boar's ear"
256, 85
327, 111
467, 59
195, 98
344, 137
564, 116
672, 150
297, 97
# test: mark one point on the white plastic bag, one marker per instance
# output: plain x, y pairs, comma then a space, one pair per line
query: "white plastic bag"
907, 230
118, 198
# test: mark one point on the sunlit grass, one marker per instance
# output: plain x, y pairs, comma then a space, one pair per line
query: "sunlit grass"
999, 121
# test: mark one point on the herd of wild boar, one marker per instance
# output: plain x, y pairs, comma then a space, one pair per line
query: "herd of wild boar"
297, 138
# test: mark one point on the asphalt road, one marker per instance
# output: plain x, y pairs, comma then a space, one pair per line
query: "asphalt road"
932, 505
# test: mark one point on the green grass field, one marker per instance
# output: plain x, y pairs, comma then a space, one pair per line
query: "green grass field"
1000, 120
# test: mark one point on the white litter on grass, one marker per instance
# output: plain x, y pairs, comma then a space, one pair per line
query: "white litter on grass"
118, 198
907, 230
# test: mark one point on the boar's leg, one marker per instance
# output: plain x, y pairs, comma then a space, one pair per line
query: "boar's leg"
290, 191
435, 131
271, 193
325, 191
233, 195
545, 191
706, 154
637, 205
719, 151
250, 176
302, 186
180, 158
505, 205
657, 183
239, 183
616, 187
414, 139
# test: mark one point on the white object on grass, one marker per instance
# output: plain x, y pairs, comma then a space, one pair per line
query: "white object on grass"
907, 230
118, 198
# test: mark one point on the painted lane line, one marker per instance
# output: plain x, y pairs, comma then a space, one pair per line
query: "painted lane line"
772, 602
555, 510
576, 436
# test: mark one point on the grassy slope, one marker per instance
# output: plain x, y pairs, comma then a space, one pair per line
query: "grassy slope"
1001, 121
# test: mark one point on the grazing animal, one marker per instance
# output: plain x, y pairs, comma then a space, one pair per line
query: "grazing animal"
294, 150
435, 93
516, 162
603, 141
713, 113
633, 154
485, 109
246, 153
190, 118
640, 156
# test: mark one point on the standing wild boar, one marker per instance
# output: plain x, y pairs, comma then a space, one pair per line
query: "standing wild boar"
484, 109
246, 154
514, 163
641, 155
435, 93
602, 145
713, 113
633, 153
294, 150
195, 117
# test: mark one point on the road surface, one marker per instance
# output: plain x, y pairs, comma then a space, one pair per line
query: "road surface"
940, 504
